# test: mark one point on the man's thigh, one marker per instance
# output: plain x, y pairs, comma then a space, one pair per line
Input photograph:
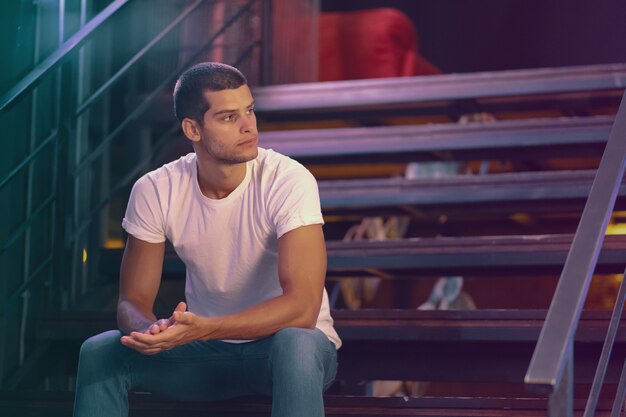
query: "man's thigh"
291, 348
197, 371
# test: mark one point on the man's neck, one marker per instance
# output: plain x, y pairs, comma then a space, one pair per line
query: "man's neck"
218, 181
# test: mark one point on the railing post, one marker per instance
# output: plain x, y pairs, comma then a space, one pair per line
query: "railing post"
266, 43
552, 358
618, 402
561, 401
62, 258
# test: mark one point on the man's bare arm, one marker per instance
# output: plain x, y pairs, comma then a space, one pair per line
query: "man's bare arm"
140, 277
302, 270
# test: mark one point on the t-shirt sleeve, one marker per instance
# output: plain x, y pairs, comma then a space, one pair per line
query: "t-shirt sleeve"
295, 201
144, 217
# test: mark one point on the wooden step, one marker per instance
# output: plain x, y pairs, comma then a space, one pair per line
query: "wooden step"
581, 136
488, 345
435, 91
514, 255
469, 253
466, 325
60, 404
525, 190
383, 325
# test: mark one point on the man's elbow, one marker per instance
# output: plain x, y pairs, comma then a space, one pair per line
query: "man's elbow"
307, 319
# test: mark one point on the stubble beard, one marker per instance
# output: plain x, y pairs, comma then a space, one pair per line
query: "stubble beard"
222, 155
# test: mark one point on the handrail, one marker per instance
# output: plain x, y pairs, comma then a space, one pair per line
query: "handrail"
618, 403
147, 102
33, 78
553, 347
50, 139
118, 75
31, 279
598, 380
24, 226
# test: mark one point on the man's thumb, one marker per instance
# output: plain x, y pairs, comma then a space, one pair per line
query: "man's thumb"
181, 317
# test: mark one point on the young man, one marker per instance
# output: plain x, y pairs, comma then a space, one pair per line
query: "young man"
247, 224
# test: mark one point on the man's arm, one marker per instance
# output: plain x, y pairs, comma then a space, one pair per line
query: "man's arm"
140, 277
302, 270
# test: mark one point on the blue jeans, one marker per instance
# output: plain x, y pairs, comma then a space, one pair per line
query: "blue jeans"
294, 366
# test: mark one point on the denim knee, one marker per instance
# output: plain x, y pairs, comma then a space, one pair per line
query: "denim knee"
102, 354
299, 353
101, 344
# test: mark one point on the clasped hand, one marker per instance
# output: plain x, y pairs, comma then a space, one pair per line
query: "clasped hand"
165, 334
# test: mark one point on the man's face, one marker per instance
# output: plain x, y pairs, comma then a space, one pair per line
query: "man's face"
229, 132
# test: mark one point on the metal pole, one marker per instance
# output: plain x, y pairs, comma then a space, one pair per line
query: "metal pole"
561, 401
267, 41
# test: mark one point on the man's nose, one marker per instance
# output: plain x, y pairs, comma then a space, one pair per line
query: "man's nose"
248, 124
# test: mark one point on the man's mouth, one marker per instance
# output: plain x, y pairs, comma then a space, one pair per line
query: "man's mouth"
249, 142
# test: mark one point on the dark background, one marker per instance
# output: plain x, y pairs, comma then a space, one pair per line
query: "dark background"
490, 35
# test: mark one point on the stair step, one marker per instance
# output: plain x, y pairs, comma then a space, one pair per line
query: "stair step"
583, 136
346, 96
60, 404
484, 254
454, 253
489, 345
525, 189
380, 325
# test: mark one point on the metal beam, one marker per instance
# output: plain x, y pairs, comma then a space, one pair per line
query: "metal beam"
385, 92
550, 359
459, 189
33, 78
442, 253
387, 142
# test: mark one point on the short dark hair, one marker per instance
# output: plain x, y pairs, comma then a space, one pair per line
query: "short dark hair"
188, 93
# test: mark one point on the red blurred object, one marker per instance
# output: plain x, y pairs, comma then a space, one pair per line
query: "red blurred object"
373, 43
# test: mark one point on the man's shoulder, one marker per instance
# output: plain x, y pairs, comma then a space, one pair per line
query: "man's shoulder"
271, 163
171, 172
280, 175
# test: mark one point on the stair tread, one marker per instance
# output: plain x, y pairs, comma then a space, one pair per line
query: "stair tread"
459, 189
334, 404
424, 254
391, 142
379, 325
348, 95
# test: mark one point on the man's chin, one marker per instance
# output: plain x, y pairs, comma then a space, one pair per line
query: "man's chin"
245, 157
255, 152
250, 154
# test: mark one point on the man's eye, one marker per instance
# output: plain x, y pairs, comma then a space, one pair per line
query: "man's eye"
250, 111
229, 118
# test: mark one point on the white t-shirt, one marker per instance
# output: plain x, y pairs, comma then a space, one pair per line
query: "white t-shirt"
229, 246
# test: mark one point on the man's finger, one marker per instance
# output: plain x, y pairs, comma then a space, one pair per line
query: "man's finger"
143, 348
182, 306
145, 351
135, 343
183, 317
152, 340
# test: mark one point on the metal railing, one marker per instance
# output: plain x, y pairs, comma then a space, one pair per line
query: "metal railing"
69, 219
552, 365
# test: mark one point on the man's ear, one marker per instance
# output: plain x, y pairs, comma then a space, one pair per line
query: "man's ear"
191, 129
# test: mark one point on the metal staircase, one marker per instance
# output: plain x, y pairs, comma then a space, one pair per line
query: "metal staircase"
95, 110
